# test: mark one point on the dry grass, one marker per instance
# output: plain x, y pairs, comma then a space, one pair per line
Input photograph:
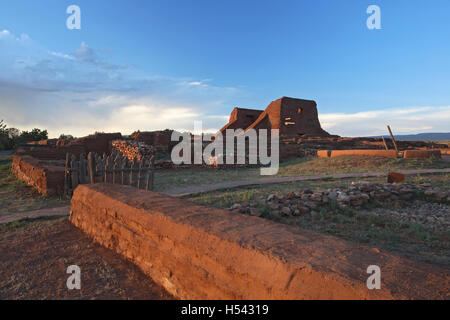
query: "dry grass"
170, 179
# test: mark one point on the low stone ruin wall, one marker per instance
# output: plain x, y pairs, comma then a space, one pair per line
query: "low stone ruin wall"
198, 252
421, 154
407, 154
46, 177
365, 153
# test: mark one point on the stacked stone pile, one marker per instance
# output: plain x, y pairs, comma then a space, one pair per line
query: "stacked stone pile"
133, 149
310, 202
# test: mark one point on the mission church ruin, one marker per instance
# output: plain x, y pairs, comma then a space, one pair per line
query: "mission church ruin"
293, 117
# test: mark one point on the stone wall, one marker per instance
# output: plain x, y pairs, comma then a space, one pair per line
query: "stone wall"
198, 252
46, 177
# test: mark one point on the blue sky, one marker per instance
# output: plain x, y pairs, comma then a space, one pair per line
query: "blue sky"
163, 64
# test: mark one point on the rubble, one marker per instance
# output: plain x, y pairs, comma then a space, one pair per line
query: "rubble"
307, 202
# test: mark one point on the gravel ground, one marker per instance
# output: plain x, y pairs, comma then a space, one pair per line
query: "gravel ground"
435, 216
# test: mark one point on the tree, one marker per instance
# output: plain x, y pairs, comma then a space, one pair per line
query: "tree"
10, 138
4, 137
34, 135
66, 137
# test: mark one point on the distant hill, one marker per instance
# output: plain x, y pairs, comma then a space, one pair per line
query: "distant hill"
420, 136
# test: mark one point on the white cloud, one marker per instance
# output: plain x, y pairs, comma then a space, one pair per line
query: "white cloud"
85, 54
402, 120
79, 93
5, 33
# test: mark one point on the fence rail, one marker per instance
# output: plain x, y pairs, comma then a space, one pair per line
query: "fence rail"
114, 168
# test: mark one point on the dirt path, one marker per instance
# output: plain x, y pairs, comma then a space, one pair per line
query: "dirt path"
34, 261
47, 212
235, 184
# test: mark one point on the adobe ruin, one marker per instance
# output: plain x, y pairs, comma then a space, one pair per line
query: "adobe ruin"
293, 117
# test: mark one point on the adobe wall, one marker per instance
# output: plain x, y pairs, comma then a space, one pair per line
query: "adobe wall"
298, 116
99, 143
197, 252
160, 140
241, 118
407, 154
367, 153
421, 154
46, 178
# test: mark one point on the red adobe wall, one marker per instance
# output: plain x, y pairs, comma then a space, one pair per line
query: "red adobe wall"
367, 153
47, 178
198, 252
422, 154
241, 118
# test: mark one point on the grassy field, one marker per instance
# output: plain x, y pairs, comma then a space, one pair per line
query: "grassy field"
16, 196
169, 179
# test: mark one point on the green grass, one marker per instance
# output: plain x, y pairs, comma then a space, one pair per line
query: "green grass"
169, 179
16, 196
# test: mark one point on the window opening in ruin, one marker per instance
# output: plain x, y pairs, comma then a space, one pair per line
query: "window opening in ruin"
287, 123
299, 110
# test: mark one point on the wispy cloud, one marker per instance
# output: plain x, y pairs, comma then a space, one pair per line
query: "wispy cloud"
402, 120
81, 92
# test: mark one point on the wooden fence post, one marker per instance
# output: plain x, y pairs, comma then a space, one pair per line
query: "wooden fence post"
91, 166
393, 140
74, 170
67, 174
108, 167
152, 173
384, 142
124, 165
141, 164
132, 169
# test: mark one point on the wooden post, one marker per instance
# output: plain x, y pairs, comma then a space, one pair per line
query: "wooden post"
66, 174
82, 169
107, 167
132, 169
392, 137
152, 173
124, 165
91, 166
141, 164
115, 166
384, 142
74, 169
147, 184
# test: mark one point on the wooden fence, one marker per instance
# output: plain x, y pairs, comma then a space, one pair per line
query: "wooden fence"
113, 168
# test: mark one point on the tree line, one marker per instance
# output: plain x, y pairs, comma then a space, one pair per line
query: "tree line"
11, 138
